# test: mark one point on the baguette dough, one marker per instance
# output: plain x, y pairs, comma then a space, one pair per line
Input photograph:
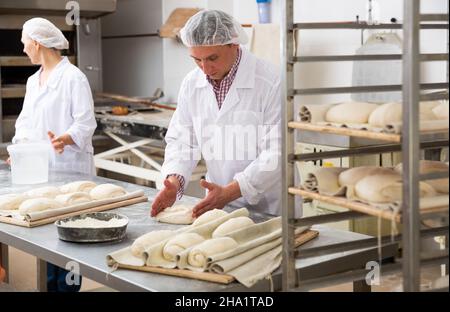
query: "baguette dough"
354, 175
12, 201
324, 181
179, 243
178, 214
46, 191
350, 112
386, 188
108, 190
38, 204
441, 111
208, 216
199, 254
73, 198
145, 241
231, 226
78, 186
429, 166
391, 113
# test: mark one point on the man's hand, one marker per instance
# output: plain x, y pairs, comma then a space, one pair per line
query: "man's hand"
166, 197
217, 197
60, 142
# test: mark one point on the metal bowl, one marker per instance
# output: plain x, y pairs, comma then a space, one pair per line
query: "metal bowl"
92, 235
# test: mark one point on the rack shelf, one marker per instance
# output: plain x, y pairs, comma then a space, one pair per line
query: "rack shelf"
361, 207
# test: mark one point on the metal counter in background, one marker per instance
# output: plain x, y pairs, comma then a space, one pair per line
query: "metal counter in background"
43, 243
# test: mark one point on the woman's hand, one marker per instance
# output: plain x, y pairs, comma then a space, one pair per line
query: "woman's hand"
60, 142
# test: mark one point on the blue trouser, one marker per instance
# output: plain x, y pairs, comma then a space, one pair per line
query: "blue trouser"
56, 280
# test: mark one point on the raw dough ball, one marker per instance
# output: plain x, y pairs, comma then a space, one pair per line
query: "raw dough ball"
105, 191
178, 214
441, 111
426, 110
38, 204
353, 175
145, 241
47, 191
350, 112
209, 216
12, 201
73, 198
232, 225
199, 254
78, 186
429, 166
179, 243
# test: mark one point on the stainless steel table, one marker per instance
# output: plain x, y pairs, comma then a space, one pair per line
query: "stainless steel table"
43, 243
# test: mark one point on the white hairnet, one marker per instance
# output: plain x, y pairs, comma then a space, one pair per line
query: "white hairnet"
212, 28
45, 33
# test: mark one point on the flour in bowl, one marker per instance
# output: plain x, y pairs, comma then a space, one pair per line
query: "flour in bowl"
94, 223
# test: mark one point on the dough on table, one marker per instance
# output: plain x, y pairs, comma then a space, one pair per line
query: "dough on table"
177, 214
73, 198
78, 186
350, 112
386, 188
46, 191
429, 166
145, 241
354, 175
209, 216
107, 190
441, 111
179, 243
199, 254
232, 225
12, 201
38, 204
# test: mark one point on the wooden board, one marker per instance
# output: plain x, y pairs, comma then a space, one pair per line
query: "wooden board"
176, 21
207, 276
358, 206
31, 224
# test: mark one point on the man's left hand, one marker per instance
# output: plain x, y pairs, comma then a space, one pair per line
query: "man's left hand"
217, 197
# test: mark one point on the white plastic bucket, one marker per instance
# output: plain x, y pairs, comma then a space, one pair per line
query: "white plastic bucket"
29, 162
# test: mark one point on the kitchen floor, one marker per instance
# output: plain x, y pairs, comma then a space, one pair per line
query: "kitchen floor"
23, 277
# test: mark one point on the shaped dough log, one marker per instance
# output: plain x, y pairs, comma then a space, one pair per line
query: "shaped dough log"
38, 204
178, 214
232, 225
386, 188
78, 186
73, 198
104, 191
391, 113
354, 175
145, 241
350, 112
324, 181
199, 254
208, 216
441, 111
47, 191
313, 113
179, 243
429, 166
12, 201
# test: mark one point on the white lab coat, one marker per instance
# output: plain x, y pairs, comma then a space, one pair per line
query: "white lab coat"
63, 105
199, 129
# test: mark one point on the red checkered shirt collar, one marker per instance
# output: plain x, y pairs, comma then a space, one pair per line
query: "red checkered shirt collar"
221, 88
